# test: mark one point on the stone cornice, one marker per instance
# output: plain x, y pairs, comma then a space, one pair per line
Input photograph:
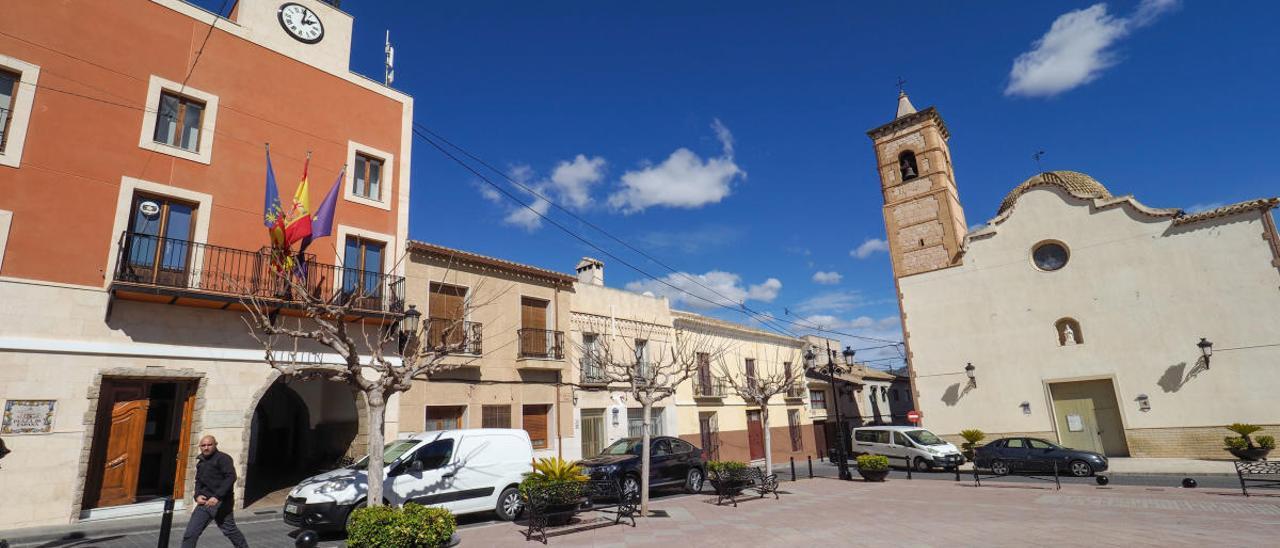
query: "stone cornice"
912, 119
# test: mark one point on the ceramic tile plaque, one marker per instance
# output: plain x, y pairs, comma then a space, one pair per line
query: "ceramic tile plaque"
27, 416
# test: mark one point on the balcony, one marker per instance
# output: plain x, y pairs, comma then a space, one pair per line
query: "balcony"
172, 271
795, 391
709, 388
455, 336
593, 372
541, 344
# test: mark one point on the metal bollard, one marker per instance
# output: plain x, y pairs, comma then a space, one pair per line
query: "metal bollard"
166, 523
909, 467
810, 466
957, 469
793, 468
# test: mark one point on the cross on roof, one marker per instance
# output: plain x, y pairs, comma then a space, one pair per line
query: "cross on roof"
901, 82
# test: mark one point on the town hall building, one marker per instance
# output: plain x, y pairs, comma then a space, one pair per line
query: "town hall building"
1077, 315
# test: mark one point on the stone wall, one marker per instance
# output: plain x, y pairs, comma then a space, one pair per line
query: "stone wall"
1204, 442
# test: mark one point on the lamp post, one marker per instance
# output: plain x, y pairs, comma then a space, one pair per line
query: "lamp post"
1206, 348
409, 326
811, 361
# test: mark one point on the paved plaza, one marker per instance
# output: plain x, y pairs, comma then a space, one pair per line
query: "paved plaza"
895, 513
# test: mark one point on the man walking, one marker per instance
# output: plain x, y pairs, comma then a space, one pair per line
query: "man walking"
215, 478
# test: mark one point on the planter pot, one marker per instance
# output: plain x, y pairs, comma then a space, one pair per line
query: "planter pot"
873, 475
453, 541
968, 454
556, 518
1256, 453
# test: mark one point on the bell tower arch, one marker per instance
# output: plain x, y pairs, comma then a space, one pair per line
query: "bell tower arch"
922, 214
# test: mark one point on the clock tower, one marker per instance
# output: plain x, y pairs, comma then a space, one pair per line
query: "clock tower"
922, 214
315, 32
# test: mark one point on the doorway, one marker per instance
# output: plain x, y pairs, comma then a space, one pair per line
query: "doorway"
820, 434
593, 435
141, 441
298, 429
709, 435
1088, 417
755, 435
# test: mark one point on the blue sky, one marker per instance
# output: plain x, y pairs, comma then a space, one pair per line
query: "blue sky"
728, 138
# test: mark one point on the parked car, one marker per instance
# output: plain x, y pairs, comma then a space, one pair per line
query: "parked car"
1008, 454
672, 461
920, 448
464, 471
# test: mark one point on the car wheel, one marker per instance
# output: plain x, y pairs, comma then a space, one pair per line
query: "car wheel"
922, 465
631, 486
1080, 469
693, 483
358, 506
509, 504
999, 468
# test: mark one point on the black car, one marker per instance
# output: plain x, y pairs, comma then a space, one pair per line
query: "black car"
672, 462
1017, 454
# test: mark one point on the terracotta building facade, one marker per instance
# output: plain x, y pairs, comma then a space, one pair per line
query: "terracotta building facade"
132, 171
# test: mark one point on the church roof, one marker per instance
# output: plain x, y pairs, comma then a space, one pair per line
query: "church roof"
904, 105
1262, 204
1074, 182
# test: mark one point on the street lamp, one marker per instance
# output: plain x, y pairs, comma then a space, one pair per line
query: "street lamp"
1206, 348
811, 362
968, 370
409, 326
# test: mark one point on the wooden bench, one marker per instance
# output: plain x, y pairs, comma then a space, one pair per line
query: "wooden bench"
729, 486
1262, 474
598, 494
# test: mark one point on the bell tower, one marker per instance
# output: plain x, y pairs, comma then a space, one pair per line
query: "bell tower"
922, 214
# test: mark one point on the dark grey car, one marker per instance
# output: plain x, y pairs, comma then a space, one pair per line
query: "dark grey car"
672, 462
1006, 455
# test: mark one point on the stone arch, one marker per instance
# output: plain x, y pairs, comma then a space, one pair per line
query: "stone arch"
907, 166
1076, 333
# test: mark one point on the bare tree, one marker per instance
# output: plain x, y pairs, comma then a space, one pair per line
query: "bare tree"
363, 344
759, 383
649, 373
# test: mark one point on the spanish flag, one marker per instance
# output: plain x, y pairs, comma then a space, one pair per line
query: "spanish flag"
299, 224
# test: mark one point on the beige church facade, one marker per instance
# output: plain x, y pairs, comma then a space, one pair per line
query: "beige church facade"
1080, 311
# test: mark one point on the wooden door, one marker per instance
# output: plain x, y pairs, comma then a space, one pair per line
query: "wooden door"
533, 321
187, 402
124, 449
820, 438
1088, 417
593, 436
755, 435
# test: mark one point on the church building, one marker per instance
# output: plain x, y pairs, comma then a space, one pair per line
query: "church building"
1076, 315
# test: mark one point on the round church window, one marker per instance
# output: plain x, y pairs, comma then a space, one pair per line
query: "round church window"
1050, 256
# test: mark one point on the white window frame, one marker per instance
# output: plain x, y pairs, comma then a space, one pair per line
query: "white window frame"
388, 168
146, 140
6, 219
23, 98
129, 187
390, 247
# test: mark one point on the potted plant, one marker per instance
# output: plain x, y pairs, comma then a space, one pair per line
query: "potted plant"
873, 467
412, 526
971, 438
728, 477
1242, 446
558, 485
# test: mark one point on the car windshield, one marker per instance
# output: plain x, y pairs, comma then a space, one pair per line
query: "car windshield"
924, 437
390, 453
624, 446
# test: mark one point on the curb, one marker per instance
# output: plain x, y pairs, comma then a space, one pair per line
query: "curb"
82, 531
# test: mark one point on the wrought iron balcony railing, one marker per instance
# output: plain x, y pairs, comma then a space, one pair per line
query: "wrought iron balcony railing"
4, 127
795, 391
541, 343
455, 336
714, 388
593, 372
196, 270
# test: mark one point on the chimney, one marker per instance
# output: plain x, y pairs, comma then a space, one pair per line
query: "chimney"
590, 271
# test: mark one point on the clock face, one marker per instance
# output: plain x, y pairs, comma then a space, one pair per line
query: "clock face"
301, 23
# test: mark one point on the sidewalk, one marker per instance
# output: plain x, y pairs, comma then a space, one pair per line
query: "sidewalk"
1181, 467
74, 534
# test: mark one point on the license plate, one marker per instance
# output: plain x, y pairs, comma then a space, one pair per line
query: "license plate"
291, 508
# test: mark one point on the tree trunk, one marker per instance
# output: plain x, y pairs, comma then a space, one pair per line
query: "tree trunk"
644, 459
768, 439
377, 407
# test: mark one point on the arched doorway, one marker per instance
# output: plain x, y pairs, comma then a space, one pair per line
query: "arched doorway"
298, 429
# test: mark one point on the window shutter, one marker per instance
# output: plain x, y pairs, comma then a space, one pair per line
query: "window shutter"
535, 423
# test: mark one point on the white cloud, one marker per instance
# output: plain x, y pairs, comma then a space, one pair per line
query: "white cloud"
721, 288
572, 180
1197, 208
834, 301
683, 180
1076, 49
827, 278
869, 247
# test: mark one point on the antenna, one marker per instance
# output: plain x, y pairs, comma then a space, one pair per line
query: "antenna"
1036, 157
390, 69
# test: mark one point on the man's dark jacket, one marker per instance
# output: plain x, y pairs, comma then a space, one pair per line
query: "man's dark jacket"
215, 476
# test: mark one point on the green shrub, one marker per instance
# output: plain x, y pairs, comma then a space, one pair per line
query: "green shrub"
873, 463
559, 480
1244, 430
413, 526
727, 468
971, 438
1267, 442
1237, 443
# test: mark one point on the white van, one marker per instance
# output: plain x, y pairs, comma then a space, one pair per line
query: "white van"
464, 471
923, 449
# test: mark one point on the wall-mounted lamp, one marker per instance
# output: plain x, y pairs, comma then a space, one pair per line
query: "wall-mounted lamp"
1026, 407
615, 416
968, 370
575, 397
1206, 348
409, 326
1144, 403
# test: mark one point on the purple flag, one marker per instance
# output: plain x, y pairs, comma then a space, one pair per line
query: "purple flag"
322, 219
